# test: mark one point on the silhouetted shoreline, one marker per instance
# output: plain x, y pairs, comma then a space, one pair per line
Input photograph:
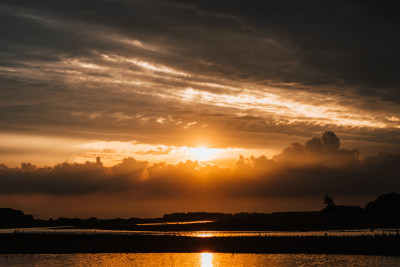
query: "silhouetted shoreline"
62, 243
285, 221
384, 212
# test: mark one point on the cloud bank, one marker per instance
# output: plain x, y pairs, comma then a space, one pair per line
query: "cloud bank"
301, 172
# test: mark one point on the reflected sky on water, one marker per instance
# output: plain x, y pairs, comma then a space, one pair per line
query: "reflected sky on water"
205, 259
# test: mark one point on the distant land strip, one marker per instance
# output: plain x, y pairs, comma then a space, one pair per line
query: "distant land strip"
81, 243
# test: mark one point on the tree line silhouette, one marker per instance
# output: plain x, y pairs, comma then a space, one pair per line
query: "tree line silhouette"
382, 212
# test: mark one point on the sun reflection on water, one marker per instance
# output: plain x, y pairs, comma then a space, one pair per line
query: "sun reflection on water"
206, 259
203, 234
194, 259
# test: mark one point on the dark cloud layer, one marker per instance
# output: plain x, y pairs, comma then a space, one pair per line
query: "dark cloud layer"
301, 171
120, 70
347, 43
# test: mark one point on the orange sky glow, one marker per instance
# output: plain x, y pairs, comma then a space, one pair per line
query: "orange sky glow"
173, 97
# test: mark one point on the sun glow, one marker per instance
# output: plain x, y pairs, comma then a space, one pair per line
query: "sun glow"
206, 259
112, 152
201, 153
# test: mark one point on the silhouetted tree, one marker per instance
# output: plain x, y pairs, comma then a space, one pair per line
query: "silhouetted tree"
386, 203
328, 201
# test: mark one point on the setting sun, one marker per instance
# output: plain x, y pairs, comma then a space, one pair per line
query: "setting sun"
201, 153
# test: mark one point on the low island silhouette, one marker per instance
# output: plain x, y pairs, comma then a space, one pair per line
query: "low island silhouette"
381, 213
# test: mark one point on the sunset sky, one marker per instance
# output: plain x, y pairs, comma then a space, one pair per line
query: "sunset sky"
196, 105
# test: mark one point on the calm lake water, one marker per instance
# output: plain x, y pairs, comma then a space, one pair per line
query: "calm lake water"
194, 259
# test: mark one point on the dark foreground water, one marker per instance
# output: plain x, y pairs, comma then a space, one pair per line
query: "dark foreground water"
194, 259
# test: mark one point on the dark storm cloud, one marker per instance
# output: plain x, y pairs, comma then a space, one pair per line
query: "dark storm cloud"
340, 42
73, 60
301, 171
346, 43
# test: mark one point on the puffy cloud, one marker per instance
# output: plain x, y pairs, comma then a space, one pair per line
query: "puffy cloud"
330, 141
298, 173
323, 150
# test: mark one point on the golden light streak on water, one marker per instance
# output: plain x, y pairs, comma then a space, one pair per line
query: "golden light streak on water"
206, 259
202, 234
193, 260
